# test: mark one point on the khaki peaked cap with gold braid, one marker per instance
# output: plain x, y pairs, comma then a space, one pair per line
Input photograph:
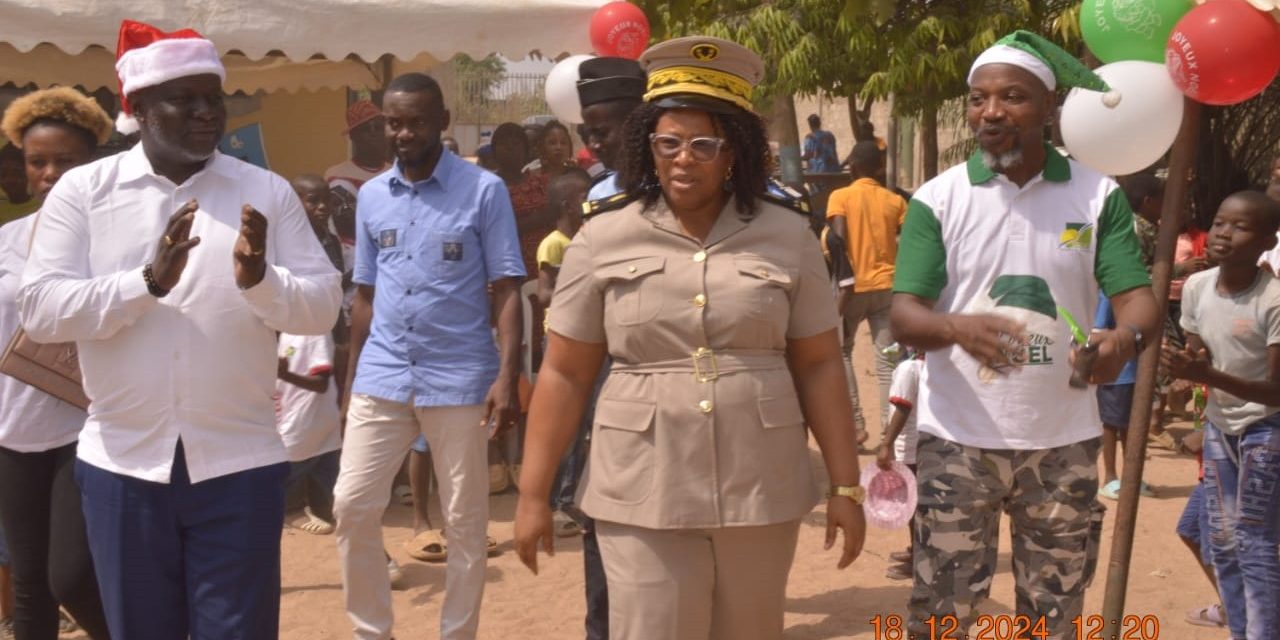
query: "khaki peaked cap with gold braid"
684, 72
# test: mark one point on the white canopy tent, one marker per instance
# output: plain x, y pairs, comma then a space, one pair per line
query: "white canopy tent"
272, 45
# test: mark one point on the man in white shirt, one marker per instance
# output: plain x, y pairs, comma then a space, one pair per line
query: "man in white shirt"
180, 466
995, 256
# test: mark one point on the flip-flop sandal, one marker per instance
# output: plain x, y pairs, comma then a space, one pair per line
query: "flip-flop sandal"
566, 527
428, 546
490, 545
1210, 616
316, 526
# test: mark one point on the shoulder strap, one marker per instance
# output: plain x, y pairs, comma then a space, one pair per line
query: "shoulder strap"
592, 208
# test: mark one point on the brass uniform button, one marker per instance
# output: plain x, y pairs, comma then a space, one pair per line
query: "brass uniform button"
705, 406
700, 256
700, 300
631, 269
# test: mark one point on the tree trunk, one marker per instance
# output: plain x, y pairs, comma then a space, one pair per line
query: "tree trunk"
787, 134
929, 140
891, 149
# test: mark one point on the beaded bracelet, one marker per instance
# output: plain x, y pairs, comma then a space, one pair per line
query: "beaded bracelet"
150, 277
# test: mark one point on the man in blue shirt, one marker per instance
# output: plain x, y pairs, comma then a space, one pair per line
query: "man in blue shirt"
820, 148
432, 235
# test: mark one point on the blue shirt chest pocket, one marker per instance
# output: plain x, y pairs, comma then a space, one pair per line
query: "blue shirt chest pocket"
448, 254
391, 242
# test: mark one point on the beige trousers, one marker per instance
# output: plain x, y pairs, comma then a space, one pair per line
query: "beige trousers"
379, 433
697, 584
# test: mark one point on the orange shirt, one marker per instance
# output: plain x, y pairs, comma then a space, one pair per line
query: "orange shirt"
874, 215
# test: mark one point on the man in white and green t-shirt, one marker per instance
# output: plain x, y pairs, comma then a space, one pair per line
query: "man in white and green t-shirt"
994, 254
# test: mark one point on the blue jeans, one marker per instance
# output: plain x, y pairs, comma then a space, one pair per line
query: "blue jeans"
1193, 524
1242, 486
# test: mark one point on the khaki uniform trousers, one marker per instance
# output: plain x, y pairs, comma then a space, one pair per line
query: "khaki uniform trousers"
727, 583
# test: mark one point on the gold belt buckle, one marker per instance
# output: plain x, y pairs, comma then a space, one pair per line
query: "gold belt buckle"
711, 371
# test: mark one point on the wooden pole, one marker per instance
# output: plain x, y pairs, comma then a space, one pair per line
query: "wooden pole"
1175, 201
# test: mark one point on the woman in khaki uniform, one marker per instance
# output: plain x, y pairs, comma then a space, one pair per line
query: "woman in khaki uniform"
716, 308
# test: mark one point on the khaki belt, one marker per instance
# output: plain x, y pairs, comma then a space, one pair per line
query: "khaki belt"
707, 365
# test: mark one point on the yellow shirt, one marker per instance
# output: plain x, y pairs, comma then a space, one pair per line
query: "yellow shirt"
874, 215
551, 249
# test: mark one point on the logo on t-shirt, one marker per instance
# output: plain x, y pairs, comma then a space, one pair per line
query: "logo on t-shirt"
1029, 300
386, 238
451, 251
1078, 236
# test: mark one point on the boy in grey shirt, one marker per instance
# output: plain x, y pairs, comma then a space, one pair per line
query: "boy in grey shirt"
1231, 315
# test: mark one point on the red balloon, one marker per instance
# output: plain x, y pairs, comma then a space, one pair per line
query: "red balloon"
1224, 52
620, 29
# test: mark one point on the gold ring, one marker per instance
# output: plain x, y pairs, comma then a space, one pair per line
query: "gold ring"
168, 242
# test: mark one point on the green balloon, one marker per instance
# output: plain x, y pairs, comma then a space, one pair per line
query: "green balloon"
1118, 30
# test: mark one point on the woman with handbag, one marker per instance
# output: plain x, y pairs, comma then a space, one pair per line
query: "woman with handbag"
57, 130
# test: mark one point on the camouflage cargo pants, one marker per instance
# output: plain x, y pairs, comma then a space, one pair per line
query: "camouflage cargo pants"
1056, 521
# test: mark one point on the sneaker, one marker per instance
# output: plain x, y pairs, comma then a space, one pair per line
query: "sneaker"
395, 573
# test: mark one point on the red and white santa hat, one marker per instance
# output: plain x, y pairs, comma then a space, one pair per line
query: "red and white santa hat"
147, 56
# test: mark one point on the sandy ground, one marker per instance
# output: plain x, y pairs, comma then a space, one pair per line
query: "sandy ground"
822, 603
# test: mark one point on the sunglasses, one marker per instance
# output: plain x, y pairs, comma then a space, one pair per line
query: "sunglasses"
701, 149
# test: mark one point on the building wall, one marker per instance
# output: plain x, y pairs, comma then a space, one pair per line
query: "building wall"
301, 132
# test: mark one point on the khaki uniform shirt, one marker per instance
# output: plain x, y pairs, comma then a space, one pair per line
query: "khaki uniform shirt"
720, 442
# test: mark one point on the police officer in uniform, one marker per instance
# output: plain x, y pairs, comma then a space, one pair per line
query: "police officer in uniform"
609, 89
713, 301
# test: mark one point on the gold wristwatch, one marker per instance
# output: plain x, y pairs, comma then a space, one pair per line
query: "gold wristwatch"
855, 493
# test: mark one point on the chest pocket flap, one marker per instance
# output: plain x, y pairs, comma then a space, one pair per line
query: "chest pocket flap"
761, 269
628, 415
633, 269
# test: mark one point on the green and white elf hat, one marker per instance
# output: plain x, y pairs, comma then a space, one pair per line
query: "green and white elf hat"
1046, 61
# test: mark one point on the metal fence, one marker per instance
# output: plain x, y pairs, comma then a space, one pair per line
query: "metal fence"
483, 98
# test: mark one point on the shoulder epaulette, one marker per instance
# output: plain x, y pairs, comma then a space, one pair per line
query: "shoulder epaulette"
782, 195
614, 202
601, 177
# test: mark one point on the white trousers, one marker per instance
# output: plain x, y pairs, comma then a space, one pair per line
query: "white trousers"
379, 434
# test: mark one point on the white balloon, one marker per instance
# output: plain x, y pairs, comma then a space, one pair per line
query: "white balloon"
1133, 135
562, 89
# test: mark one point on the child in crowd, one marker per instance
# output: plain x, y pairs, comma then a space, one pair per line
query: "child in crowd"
319, 201
1193, 529
1271, 259
565, 195
899, 441
307, 417
1115, 399
1231, 317
1188, 259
